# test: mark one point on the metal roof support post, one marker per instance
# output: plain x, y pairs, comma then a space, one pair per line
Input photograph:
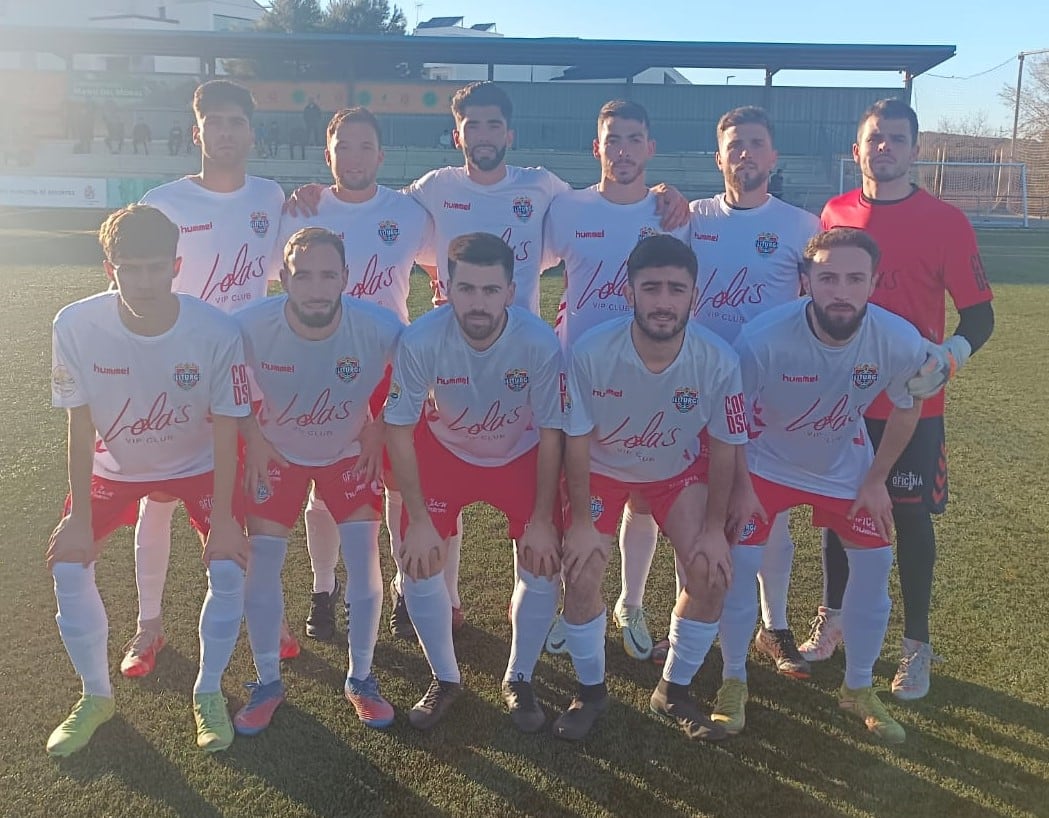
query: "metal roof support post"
766, 94
491, 71
908, 85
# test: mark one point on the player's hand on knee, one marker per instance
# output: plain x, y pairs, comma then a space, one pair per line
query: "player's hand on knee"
942, 362
226, 540
539, 549
304, 200
713, 548
582, 541
422, 554
874, 498
72, 541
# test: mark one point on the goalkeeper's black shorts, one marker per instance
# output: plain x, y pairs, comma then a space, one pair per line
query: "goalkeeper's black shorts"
919, 477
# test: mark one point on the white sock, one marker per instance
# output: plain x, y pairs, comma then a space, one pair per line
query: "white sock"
740, 612
865, 612
360, 553
451, 565
431, 613
322, 541
152, 553
394, 504
586, 645
774, 576
532, 607
83, 624
220, 617
637, 546
264, 603
689, 643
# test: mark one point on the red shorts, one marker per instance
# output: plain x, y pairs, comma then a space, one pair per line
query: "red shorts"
608, 496
703, 458
342, 492
115, 503
827, 512
450, 484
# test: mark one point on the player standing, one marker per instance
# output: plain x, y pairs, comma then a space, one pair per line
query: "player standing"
642, 387
317, 356
810, 368
384, 232
153, 382
928, 250
227, 224
594, 231
488, 378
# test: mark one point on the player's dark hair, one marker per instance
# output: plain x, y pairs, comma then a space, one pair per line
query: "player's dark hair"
661, 250
746, 115
483, 249
623, 109
311, 237
840, 237
138, 231
356, 114
477, 94
891, 109
216, 93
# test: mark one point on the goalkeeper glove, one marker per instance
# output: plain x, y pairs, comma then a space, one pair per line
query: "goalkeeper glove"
942, 361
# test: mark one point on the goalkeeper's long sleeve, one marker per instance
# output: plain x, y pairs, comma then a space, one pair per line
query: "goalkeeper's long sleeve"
975, 324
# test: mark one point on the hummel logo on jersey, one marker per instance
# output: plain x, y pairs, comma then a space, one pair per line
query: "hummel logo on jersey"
195, 228
685, 399
389, 231
260, 223
457, 380
522, 208
607, 393
187, 375
456, 205
516, 379
865, 376
110, 370
347, 369
645, 232
589, 234
268, 367
800, 378
766, 243
706, 236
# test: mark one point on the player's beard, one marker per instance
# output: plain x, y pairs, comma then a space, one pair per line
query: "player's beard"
486, 163
646, 323
840, 329
315, 320
627, 173
739, 182
884, 173
362, 182
481, 330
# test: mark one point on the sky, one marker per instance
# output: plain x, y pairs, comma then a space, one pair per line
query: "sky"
988, 36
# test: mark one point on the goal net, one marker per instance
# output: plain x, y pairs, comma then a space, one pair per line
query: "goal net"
989, 193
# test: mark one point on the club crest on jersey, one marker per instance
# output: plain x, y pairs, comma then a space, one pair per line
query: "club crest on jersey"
748, 531
260, 222
645, 232
865, 375
389, 231
187, 375
393, 394
597, 508
523, 208
685, 399
516, 379
766, 243
347, 369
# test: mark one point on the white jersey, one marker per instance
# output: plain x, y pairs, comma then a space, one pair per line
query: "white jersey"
645, 426
513, 209
315, 393
807, 399
383, 237
594, 237
484, 407
749, 260
151, 397
226, 240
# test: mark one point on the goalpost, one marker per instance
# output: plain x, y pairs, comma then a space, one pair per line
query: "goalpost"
989, 193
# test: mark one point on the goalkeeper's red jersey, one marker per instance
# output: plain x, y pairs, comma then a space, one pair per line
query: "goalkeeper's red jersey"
928, 249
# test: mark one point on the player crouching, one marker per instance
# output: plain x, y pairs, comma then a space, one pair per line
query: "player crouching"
317, 356
810, 368
153, 383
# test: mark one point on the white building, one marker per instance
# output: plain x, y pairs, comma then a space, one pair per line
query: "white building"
453, 27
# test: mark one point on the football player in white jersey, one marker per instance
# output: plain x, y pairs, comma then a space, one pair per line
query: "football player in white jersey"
641, 388
593, 231
487, 377
228, 224
810, 368
317, 356
153, 382
385, 232
750, 247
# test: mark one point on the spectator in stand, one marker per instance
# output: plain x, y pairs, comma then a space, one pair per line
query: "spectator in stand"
174, 139
141, 135
273, 138
776, 184
313, 118
297, 137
